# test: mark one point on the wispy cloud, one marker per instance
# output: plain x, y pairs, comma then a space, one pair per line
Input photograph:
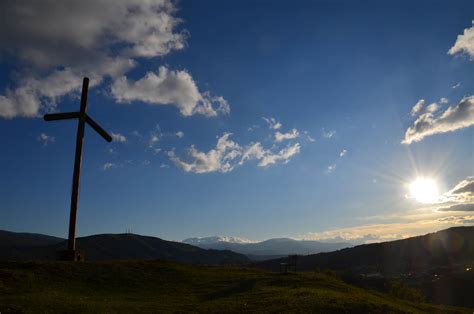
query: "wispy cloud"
309, 137
109, 165
417, 108
218, 159
279, 137
328, 133
272, 123
46, 139
253, 127
117, 137
429, 123
331, 168
179, 134
227, 154
456, 86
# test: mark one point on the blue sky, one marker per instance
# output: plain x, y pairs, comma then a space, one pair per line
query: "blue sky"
253, 119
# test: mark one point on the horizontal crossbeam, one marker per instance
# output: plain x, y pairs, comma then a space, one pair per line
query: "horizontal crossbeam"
61, 116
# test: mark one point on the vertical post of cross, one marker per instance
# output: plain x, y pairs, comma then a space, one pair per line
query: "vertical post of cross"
77, 168
72, 253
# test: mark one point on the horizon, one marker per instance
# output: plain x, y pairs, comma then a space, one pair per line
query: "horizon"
355, 242
315, 121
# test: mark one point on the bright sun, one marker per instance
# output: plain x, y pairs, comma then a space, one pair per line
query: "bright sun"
424, 190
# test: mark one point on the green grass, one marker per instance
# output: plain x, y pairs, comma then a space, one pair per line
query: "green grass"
155, 286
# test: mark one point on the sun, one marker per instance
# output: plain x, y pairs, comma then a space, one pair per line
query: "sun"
424, 190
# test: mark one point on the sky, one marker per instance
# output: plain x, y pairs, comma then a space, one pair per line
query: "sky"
325, 120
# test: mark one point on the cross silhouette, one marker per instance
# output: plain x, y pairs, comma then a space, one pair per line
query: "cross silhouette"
83, 118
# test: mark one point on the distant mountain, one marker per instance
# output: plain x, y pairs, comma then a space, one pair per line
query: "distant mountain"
113, 247
266, 249
446, 248
215, 239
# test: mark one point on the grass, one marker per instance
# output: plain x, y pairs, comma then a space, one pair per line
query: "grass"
156, 286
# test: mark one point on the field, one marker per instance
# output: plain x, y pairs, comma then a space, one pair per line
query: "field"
156, 286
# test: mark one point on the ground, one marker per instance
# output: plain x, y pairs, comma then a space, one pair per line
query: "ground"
157, 286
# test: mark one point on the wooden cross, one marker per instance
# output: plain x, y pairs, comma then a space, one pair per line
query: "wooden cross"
83, 118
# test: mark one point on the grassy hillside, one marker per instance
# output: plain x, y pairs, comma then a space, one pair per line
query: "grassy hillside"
156, 286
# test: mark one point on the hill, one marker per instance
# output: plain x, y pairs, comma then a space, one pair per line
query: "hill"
446, 248
440, 265
157, 286
117, 247
23, 239
272, 248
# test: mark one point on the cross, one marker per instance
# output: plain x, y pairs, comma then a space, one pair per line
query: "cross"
83, 118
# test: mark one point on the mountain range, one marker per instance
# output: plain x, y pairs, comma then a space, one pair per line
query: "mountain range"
272, 248
30, 246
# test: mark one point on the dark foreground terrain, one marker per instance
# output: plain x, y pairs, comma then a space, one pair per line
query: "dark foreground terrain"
158, 286
439, 265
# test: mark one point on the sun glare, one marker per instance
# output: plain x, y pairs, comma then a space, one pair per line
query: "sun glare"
424, 190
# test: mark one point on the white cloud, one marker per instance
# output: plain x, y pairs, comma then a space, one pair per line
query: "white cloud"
59, 44
309, 137
169, 88
418, 107
46, 139
343, 153
227, 154
456, 86
218, 159
253, 127
328, 134
459, 198
272, 123
443, 100
279, 137
284, 155
109, 165
433, 107
331, 168
464, 43
179, 134
117, 137
153, 140
154, 137
454, 118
